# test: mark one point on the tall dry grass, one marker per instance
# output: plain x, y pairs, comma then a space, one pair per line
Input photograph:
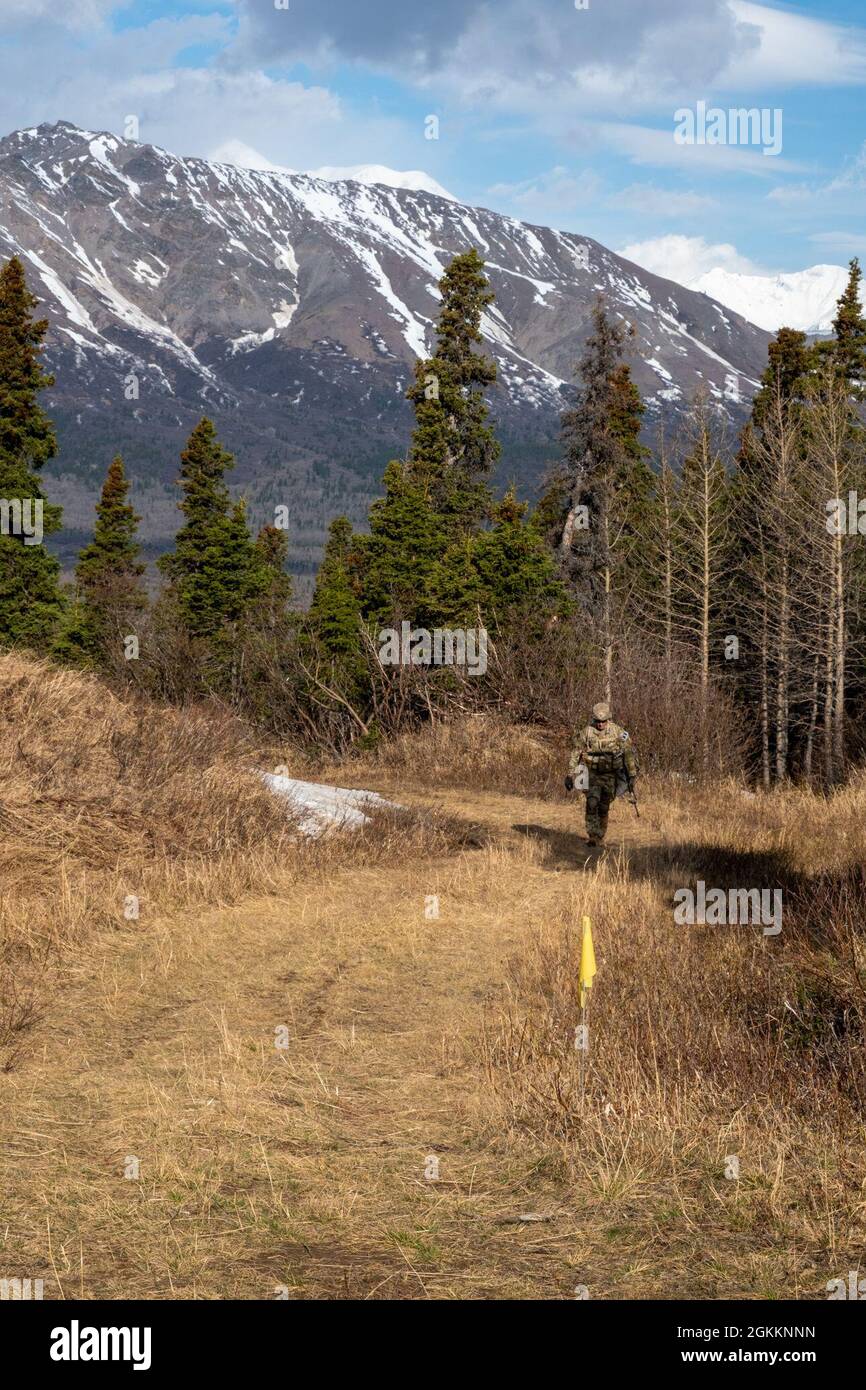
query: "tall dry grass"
114, 810
709, 1046
483, 751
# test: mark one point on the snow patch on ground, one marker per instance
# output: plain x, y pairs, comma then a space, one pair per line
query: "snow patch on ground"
321, 807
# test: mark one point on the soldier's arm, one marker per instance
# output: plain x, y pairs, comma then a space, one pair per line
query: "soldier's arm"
578, 753
629, 756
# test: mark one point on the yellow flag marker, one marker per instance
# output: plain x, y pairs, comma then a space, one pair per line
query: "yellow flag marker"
587, 961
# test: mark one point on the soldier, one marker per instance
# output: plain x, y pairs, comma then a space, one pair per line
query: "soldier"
606, 752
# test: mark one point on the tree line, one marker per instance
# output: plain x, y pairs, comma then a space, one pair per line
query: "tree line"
713, 584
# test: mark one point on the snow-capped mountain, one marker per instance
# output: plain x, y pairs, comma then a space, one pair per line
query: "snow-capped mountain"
804, 299
380, 173
292, 308
245, 157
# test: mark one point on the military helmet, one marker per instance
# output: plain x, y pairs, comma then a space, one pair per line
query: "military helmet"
600, 713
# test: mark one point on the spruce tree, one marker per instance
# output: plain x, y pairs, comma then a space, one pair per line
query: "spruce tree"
610, 485
335, 611
109, 595
271, 555
213, 571
453, 447
247, 563
548, 517
790, 364
408, 537
849, 327
30, 599
515, 566
457, 596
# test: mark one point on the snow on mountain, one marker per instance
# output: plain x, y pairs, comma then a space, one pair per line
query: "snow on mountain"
245, 157
292, 309
380, 173
804, 299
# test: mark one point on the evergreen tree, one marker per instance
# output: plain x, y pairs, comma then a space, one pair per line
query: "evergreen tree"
265, 645
453, 447
214, 572
457, 596
30, 599
247, 563
408, 537
548, 518
271, 554
849, 327
335, 611
660, 554
790, 364
109, 596
515, 566
610, 485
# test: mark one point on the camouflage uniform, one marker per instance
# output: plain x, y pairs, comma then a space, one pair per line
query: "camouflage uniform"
607, 754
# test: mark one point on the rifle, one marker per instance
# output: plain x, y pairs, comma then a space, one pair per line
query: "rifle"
632, 796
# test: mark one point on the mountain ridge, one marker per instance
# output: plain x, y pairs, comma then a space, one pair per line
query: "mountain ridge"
292, 310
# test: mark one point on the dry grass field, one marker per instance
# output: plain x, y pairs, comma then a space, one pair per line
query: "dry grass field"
240, 1092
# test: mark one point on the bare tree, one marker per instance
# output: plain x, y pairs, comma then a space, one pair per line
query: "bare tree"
699, 536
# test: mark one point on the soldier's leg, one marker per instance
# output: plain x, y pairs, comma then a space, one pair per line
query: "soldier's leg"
593, 819
606, 794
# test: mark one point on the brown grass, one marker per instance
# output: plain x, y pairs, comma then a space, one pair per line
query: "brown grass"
303, 1171
481, 750
110, 808
705, 1043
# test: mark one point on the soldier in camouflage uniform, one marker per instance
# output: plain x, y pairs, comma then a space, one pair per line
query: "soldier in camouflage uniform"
606, 752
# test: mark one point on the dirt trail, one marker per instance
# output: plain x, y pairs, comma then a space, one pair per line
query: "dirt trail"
301, 1168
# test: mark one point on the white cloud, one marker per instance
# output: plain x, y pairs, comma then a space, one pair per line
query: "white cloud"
646, 198
850, 180
648, 146
557, 188
853, 175
845, 243
245, 157
794, 49
687, 258
198, 111
546, 58
70, 14
382, 174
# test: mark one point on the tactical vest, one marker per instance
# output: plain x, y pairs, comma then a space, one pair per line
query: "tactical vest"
604, 751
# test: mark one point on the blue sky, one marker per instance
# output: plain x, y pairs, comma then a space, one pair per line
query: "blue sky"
553, 113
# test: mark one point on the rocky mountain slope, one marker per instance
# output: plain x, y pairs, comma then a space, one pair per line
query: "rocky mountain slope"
291, 309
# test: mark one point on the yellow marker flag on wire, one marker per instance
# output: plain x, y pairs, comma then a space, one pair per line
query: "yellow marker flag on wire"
587, 961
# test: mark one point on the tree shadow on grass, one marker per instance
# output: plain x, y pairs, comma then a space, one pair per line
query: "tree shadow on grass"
814, 904
564, 849
679, 865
